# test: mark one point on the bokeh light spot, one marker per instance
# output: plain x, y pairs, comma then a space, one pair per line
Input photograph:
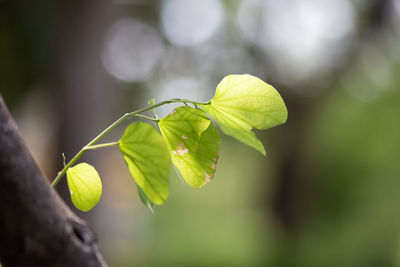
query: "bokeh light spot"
132, 50
302, 38
191, 23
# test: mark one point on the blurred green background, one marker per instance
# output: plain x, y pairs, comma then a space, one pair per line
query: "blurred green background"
328, 192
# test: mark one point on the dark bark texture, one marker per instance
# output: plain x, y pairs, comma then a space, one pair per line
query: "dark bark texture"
36, 227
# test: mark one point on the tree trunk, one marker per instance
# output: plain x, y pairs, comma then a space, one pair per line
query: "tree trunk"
36, 227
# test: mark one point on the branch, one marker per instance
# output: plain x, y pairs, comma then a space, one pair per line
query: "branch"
36, 227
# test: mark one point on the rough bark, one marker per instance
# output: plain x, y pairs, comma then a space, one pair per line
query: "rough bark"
36, 227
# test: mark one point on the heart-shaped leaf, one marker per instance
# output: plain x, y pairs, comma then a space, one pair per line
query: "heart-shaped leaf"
193, 142
84, 186
148, 161
243, 102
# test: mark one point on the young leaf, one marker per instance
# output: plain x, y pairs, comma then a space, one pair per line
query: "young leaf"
147, 158
84, 186
193, 142
242, 102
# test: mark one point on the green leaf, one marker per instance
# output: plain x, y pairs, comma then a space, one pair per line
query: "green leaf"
147, 158
244, 102
193, 142
84, 186
145, 200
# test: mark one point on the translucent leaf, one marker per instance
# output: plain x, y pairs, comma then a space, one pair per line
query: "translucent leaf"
147, 158
243, 102
235, 128
193, 142
84, 186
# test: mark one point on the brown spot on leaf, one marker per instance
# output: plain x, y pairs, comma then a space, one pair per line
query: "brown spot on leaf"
181, 150
208, 177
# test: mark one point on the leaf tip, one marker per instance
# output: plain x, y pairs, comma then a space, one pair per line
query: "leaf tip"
264, 153
261, 149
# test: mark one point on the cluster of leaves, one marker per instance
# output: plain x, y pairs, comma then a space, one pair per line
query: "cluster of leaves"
188, 138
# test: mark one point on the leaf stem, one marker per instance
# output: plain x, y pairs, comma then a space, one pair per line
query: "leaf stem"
101, 145
91, 144
63, 156
147, 118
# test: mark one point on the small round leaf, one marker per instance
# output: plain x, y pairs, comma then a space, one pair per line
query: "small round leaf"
84, 186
